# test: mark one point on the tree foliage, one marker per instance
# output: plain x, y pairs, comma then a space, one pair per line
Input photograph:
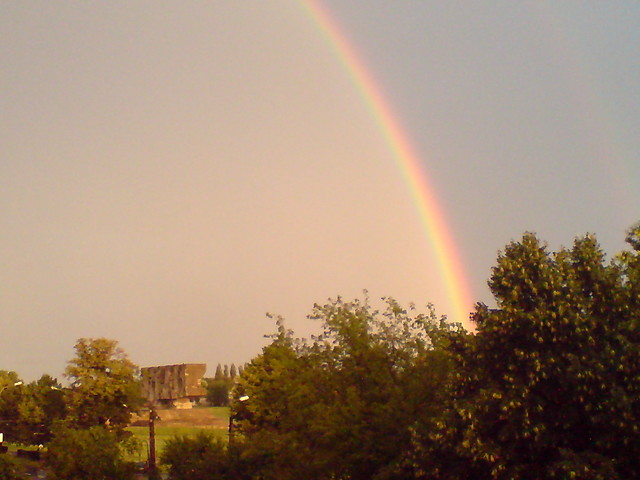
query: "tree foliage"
218, 392
219, 387
343, 405
9, 469
91, 441
104, 385
28, 411
83, 426
8, 379
9, 400
549, 385
95, 453
203, 457
41, 405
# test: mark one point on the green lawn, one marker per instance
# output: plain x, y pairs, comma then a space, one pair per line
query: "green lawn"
220, 412
164, 433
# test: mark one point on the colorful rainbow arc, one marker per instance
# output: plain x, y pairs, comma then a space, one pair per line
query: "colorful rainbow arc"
406, 160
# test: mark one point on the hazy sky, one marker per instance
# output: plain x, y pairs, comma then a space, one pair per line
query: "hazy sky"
171, 171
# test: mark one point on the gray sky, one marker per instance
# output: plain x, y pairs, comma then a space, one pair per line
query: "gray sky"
170, 171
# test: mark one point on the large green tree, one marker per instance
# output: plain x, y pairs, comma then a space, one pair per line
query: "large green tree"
91, 441
40, 406
10, 392
28, 411
549, 386
104, 384
343, 405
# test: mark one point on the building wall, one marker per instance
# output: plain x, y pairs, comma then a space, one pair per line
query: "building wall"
173, 384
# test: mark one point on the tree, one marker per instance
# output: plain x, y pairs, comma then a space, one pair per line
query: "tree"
549, 386
95, 453
218, 375
343, 406
10, 392
8, 379
104, 386
27, 412
40, 405
267, 422
91, 441
218, 392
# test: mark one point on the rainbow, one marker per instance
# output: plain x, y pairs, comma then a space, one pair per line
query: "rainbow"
406, 159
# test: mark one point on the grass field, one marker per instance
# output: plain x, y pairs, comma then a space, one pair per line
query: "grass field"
180, 423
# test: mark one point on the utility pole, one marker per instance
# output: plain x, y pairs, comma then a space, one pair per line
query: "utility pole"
153, 469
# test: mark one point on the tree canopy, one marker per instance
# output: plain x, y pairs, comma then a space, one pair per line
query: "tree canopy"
104, 386
549, 385
343, 404
28, 411
546, 387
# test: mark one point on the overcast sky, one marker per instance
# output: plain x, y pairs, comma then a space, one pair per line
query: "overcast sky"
171, 171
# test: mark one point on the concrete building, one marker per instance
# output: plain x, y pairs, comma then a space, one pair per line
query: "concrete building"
179, 386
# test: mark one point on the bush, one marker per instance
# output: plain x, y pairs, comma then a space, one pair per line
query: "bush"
96, 453
203, 457
9, 469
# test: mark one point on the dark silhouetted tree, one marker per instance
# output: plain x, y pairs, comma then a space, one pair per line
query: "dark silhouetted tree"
549, 386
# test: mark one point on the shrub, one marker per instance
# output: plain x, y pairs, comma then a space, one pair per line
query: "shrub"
96, 453
9, 469
203, 457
